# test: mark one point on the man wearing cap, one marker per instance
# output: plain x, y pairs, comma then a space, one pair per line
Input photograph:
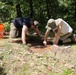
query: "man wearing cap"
62, 31
19, 27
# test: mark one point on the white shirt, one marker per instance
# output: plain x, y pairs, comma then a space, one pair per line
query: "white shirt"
65, 27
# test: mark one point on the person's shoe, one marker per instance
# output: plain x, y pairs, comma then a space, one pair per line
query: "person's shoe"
60, 42
73, 38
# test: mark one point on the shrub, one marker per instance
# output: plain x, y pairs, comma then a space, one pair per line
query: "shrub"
6, 27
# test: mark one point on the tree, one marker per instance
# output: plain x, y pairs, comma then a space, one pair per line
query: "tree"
18, 10
31, 8
40, 10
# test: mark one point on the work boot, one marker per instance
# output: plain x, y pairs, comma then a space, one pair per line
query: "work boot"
73, 38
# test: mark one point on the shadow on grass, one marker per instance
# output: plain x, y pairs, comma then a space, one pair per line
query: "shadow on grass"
71, 44
2, 71
36, 42
5, 37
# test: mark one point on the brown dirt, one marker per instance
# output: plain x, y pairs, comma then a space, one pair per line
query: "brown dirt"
35, 58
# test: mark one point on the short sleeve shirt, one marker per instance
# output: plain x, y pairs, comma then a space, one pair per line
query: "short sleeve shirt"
65, 27
19, 22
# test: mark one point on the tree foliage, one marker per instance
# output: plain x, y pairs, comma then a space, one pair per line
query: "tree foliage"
40, 10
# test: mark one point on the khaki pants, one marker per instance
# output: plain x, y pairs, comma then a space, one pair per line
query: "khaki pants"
66, 38
14, 32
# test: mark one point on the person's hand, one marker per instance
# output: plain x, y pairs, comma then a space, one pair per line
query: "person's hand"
24, 43
45, 43
56, 46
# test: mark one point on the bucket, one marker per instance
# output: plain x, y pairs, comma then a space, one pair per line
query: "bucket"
1, 30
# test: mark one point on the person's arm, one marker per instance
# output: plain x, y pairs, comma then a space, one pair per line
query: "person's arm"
57, 35
24, 32
45, 37
37, 31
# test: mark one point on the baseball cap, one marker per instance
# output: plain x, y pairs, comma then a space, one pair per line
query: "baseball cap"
36, 22
51, 23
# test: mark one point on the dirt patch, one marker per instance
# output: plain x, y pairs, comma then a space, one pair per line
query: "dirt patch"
63, 52
36, 59
38, 49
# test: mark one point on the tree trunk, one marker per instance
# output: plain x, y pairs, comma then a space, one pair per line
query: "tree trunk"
75, 11
18, 10
47, 8
31, 9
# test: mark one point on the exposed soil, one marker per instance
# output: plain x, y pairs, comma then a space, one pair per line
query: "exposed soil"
35, 58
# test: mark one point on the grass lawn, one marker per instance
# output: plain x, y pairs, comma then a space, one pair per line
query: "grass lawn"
17, 59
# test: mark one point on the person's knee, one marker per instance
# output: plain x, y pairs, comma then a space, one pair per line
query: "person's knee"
13, 34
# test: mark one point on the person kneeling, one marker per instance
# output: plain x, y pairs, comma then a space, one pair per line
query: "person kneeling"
63, 31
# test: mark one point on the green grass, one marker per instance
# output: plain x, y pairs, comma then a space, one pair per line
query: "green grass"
67, 72
16, 59
7, 26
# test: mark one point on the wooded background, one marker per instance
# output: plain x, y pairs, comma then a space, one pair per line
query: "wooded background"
40, 10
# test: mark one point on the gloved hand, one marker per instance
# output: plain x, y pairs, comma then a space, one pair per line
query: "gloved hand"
45, 43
